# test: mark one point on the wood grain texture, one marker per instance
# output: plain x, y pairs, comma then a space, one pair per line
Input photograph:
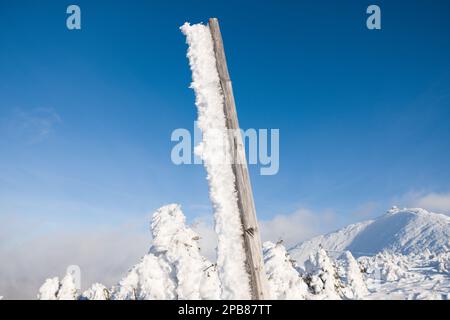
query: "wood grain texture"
252, 239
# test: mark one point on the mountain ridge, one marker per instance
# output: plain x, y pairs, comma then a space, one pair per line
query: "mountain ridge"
401, 231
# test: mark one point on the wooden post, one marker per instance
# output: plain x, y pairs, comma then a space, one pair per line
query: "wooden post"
252, 240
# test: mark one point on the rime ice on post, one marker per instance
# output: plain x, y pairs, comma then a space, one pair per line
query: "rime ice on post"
240, 262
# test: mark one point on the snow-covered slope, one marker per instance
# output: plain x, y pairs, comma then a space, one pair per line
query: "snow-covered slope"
399, 231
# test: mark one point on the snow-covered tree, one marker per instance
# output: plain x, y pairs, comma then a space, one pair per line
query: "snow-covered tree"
352, 278
174, 267
53, 289
386, 266
49, 290
178, 246
68, 289
96, 292
151, 279
443, 262
285, 283
322, 276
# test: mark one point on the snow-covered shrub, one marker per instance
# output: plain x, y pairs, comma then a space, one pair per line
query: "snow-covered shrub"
49, 290
53, 289
354, 286
68, 289
150, 279
322, 276
386, 266
393, 267
178, 245
443, 262
96, 292
285, 283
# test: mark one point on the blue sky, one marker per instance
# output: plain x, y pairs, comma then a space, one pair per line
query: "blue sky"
86, 116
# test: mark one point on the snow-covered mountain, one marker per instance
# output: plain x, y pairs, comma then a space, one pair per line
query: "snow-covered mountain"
400, 231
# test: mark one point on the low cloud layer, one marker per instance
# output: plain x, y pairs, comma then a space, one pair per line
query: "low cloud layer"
103, 256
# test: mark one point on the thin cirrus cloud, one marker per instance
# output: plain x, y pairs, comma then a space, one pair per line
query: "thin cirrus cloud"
35, 125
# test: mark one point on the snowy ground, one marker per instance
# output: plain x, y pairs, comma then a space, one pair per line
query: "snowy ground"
420, 279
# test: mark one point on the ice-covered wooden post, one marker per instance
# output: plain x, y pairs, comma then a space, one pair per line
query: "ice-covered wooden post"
252, 240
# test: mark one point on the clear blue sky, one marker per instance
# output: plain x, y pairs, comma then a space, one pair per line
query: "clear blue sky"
86, 116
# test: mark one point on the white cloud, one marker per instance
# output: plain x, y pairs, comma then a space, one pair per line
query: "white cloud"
298, 226
431, 201
439, 202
